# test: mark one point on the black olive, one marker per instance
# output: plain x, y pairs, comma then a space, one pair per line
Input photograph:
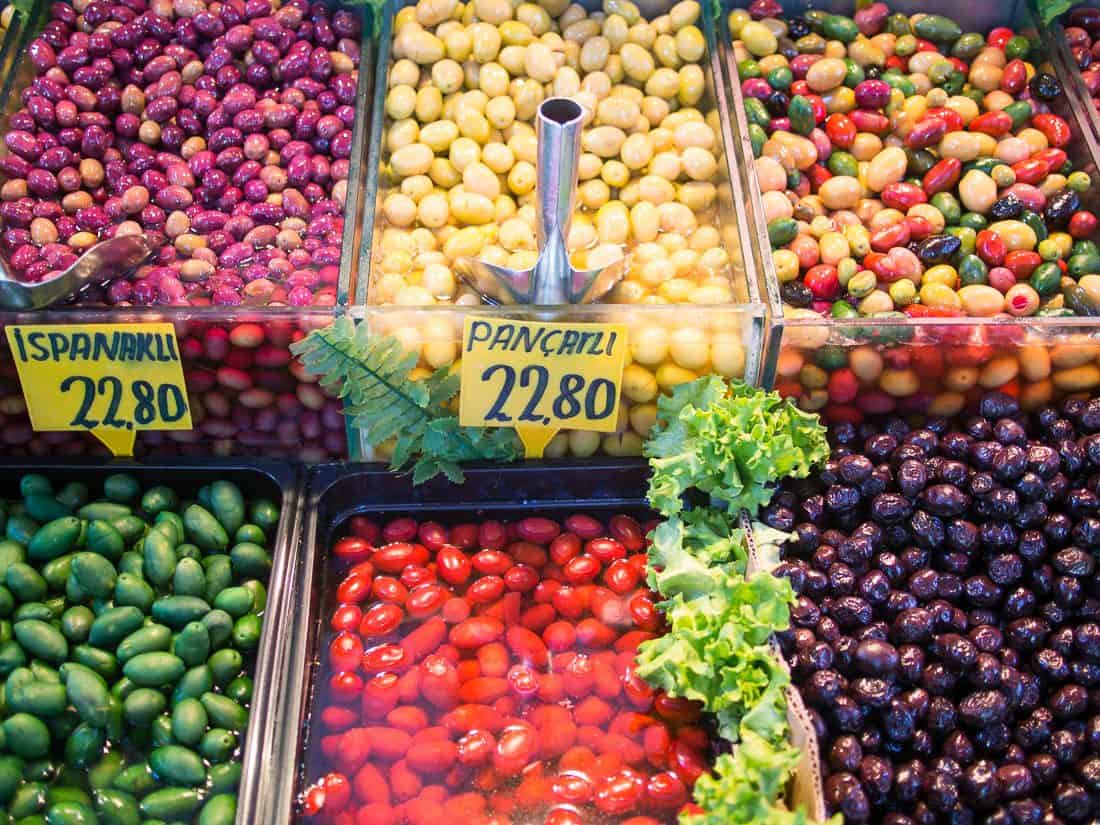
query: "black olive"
1006, 569
777, 104
936, 249
993, 739
950, 586
980, 590
890, 508
941, 718
798, 27
1044, 768
842, 581
999, 535
898, 721
913, 625
938, 679
1087, 639
986, 672
854, 469
1086, 532
1061, 206
824, 558
982, 708
1027, 634
851, 612
928, 530
827, 630
978, 785
908, 780
1088, 771
1072, 802
877, 776
796, 294
1010, 206
987, 638
845, 754
1085, 673
1015, 781
1008, 431
1065, 747
1068, 701
1032, 547
911, 663
847, 715
1003, 503
1025, 812
940, 792
1045, 87
944, 500
964, 536
822, 688
1057, 529
922, 584
955, 650
855, 551
1051, 664
875, 658
1029, 486
874, 587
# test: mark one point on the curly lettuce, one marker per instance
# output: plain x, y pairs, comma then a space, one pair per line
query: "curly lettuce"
729, 441
715, 652
745, 785
690, 553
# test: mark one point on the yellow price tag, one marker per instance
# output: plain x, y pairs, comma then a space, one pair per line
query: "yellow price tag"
539, 377
108, 379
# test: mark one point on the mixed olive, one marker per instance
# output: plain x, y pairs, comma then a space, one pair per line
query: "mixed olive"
907, 166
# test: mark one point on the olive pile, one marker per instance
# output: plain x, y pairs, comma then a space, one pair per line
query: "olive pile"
947, 626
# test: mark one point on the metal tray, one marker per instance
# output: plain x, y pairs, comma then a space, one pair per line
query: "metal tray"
335, 493
795, 342
277, 481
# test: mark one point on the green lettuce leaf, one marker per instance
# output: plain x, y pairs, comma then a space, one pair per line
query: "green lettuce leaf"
691, 553
1050, 10
729, 441
745, 786
715, 652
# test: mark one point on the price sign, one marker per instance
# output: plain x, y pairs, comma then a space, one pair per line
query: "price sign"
540, 377
111, 380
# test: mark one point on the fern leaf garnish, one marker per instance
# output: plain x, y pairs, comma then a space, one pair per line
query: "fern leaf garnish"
370, 373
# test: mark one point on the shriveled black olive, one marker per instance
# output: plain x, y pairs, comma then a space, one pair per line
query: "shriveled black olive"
845, 754
1025, 812
1072, 802
1006, 568
877, 776
978, 785
1069, 701
936, 249
1065, 747
940, 792
1061, 205
983, 707
1045, 87
993, 739
987, 638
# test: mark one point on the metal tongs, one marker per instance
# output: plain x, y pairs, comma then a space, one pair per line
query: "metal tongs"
106, 260
552, 280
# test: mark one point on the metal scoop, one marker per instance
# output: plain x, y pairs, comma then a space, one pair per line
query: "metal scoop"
552, 280
107, 259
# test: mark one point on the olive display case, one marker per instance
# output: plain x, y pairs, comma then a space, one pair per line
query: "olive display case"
724, 338
922, 365
256, 479
247, 394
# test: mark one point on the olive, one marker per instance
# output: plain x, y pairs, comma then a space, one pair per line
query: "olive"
1045, 87
1015, 781
987, 638
983, 707
1061, 206
877, 776
936, 249
1010, 206
993, 739
911, 663
959, 747
1025, 812
978, 785
1072, 802
845, 754
940, 792
963, 536
1065, 747
1068, 701
908, 781
1006, 568
1043, 767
